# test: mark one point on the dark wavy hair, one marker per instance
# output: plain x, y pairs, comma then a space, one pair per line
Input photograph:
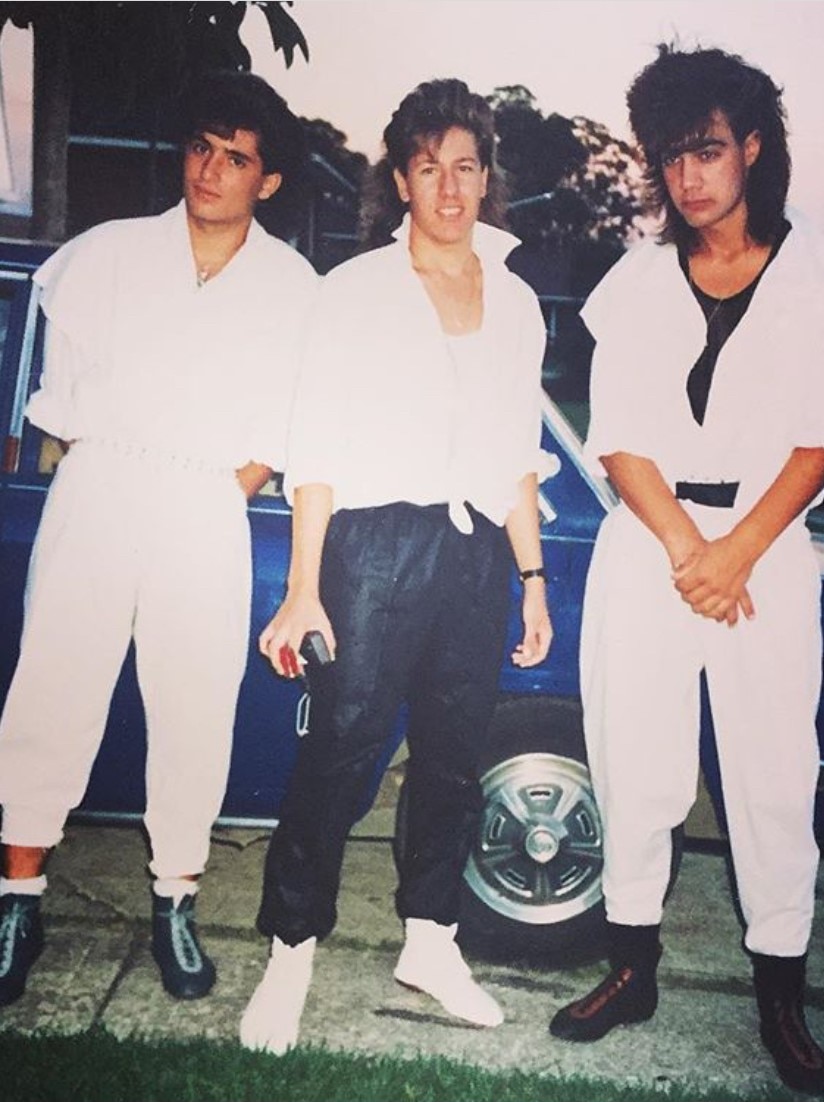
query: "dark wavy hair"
222, 102
671, 103
421, 121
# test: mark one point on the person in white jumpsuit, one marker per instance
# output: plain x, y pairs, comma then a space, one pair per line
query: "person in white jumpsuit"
708, 416
172, 351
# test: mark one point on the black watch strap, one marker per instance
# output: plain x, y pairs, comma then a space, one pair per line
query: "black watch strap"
539, 572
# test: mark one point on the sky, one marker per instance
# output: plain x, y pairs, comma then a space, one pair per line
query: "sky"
576, 56
15, 120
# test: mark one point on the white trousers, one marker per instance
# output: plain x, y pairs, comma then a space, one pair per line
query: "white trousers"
130, 547
642, 651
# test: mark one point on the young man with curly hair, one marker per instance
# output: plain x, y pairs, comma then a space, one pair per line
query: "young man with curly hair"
708, 417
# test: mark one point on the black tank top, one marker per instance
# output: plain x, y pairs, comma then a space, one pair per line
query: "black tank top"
722, 315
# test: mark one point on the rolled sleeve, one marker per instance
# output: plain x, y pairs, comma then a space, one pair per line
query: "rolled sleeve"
52, 407
278, 355
324, 391
616, 423
808, 431
621, 407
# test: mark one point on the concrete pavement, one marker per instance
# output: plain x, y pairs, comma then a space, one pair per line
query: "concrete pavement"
97, 969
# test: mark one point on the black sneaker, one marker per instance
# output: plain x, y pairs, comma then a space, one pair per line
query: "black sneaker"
186, 971
623, 998
21, 943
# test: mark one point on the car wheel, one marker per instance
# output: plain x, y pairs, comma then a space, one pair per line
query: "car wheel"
532, 884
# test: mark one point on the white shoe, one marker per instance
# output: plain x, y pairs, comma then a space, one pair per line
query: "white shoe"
271, 1021
431, 962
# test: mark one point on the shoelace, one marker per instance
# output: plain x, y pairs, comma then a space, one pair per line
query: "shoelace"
605, 991
184, 945
15, 920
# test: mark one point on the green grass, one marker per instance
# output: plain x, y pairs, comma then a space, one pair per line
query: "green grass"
96, 1067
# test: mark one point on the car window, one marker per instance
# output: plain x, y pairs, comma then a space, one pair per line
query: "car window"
4, 323
37, 453
15, 353
567, 359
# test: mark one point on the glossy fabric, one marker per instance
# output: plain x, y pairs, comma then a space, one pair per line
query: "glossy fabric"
419, 610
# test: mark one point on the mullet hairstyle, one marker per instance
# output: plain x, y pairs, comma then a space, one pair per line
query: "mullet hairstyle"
223, 102
420, 122
671, 103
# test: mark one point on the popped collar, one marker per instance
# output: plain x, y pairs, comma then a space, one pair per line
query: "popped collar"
386, 412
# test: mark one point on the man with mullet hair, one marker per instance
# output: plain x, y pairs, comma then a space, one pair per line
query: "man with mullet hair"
172, 349
409, 513
708, 417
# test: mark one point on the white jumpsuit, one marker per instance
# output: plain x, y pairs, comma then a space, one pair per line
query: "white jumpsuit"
167, 389
643, 648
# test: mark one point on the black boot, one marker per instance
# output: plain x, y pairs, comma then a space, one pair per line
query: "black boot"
186, 971
21, 943
628, 994
779, 990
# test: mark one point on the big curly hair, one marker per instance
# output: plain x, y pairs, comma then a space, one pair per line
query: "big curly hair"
671, 104
421, 121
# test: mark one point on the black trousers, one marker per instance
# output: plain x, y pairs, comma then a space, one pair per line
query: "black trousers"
419, 611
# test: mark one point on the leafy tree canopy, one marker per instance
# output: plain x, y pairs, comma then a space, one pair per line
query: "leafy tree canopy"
574, 188
127, 63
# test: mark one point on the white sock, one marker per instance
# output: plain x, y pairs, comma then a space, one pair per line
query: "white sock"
271, 1021
32, 885
174, 886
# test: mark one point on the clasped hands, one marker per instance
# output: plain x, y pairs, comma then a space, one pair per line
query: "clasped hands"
712, 578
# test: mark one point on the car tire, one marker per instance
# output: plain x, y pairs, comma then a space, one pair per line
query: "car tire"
532, 884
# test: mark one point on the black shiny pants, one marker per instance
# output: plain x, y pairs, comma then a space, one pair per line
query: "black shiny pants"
419, 612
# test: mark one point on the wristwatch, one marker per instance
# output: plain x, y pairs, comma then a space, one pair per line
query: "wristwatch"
539, 572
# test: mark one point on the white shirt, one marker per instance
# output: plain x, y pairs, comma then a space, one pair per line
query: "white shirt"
138, 354
391, 409
767, 394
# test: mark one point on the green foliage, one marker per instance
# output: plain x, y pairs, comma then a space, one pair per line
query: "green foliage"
575, 189
330, 143
119, 70
128, 62
96, 1067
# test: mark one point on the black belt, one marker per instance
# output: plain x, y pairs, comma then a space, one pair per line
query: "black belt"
718, 495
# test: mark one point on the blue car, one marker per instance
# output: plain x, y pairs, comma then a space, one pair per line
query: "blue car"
533, 880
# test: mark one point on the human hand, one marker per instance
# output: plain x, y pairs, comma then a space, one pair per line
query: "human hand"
713, 581
537, 637
281, 639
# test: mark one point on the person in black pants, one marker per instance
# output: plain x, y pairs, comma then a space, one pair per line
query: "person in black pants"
413, 461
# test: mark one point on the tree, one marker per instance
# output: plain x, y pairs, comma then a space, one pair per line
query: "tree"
575, 197
535, 152
118, 67
574, 188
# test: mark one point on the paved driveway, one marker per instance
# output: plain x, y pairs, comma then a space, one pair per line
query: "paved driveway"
97, 968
